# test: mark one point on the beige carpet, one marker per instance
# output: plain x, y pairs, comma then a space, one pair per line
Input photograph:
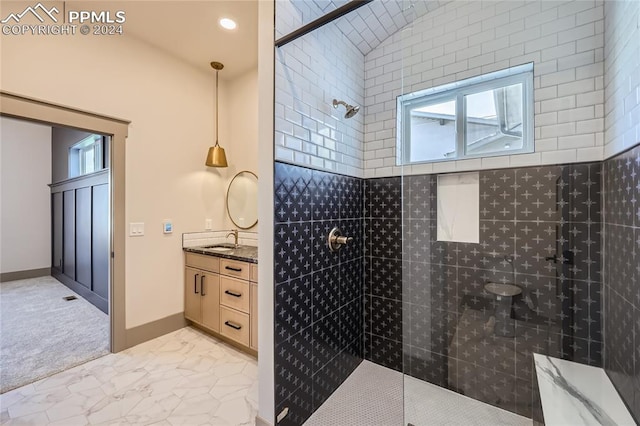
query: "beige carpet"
42, 334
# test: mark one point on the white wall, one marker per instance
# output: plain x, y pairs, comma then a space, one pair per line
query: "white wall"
622, 75
170, 105
463, 39
238, 133
25, 198
310, 72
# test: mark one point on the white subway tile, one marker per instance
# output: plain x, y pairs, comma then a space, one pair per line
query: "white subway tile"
523, 160
495, 162
590, 126
549, 144
558, 104
590, 154
576, 87
576, 114
559, 51
577, 141
555, 130
558, 77
546, 119
559, 157
471, 164
444, 167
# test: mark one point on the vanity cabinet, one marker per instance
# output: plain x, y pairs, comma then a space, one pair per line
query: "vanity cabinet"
202, 291
253, 277
228, 307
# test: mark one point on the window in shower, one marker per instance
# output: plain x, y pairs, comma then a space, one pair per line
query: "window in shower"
483, 116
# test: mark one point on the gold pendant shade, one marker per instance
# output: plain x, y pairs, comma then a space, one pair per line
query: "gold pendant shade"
216, 156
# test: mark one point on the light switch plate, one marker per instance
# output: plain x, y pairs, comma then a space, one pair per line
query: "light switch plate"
136, 229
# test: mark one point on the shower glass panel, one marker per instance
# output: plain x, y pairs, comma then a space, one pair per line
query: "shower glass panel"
473, 314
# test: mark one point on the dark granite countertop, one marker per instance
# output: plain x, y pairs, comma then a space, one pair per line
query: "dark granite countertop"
242, 253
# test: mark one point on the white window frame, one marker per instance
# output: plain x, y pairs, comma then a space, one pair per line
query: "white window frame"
77, 166
522, 74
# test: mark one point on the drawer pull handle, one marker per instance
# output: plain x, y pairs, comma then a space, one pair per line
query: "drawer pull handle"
202, 286
231, 268
230, 293
232, 325
195, 283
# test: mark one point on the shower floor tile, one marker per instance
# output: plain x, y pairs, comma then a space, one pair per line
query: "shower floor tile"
373, 396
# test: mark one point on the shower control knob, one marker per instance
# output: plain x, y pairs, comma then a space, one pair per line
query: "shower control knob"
336, 240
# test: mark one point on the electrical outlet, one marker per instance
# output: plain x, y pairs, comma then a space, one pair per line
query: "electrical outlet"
208, 224
136, 229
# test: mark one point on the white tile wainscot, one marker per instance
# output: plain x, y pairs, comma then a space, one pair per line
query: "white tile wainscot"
573, 393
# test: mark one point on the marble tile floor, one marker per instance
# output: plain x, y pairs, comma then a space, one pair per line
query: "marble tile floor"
183, 378
377, 396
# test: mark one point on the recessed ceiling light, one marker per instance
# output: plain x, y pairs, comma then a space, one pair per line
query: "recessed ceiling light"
228, 24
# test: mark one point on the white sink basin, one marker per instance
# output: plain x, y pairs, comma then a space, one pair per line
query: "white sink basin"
219, 249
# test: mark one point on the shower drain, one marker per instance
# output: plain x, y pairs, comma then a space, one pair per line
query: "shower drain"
69, 298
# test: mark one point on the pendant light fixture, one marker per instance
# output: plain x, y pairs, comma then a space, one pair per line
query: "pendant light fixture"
216, 156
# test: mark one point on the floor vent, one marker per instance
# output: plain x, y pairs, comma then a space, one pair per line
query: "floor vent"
69, 298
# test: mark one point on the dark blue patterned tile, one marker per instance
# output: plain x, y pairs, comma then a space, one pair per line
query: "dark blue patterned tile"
322, 256
299, 403
292, 196
351, 323
354, 249
497, 195
419, 195
385, 352
386, 317
326, 200
428, 366
292, 251
537, 193
326, 340
351, 281
384, 238
385, 278
351, 197
326, 292
383, 198
293, 307
293, 363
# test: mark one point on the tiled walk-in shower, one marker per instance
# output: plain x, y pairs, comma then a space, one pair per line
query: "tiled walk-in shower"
554, 269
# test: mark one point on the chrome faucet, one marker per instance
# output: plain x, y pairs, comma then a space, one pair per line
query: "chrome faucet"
234, 232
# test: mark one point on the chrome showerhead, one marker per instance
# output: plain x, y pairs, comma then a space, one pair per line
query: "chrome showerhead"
351, 109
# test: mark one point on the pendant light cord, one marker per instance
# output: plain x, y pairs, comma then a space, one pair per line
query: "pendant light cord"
217, 107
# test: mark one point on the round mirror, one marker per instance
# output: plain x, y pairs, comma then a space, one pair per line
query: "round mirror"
242, 200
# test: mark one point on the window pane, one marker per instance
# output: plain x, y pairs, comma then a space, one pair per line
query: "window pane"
433, 131
493, 121
89, 164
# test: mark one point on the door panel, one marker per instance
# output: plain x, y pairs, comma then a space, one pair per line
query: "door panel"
57, 227
83, 236
100, 240
69, 233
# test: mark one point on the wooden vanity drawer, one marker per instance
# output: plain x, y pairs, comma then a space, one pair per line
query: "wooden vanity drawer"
234, 325
234, 268
234, 293
201, 261
253, 273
